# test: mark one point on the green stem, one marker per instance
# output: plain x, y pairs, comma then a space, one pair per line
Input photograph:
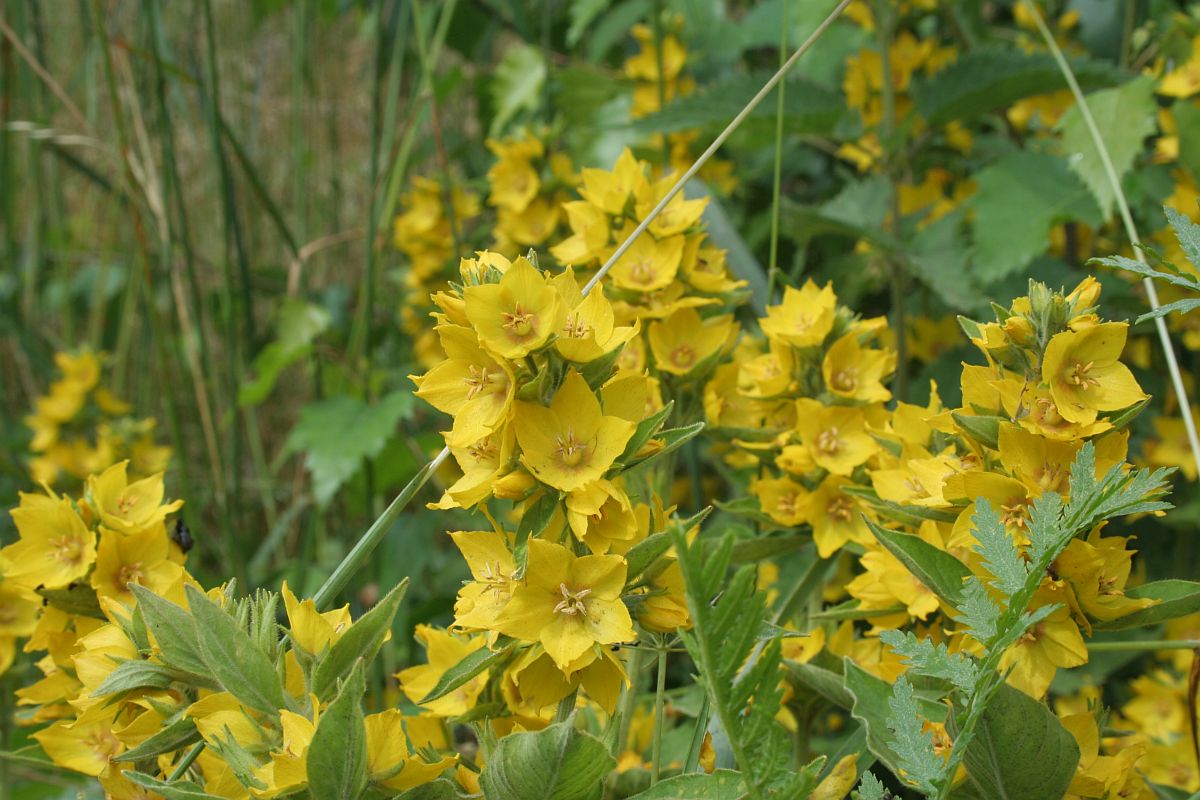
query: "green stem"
777, 179
887, 143
629, 700
659, 712
1148, 646
692, 764
566, 707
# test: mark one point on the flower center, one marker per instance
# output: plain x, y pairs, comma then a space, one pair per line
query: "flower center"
786, 504
839, 509
1081, 376
1013, 515
477, 381
482, 451
127, 574
576, 328
519, 322
828, 442
126, 504
683, 356
570, 451
845, 380
572, 603
492, 576
642, 271
68, 550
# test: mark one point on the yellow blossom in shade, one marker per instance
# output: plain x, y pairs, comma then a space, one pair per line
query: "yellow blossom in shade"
610, 191
1184, 80
569, 603
1085, 374
470, 385
571, 443
1097, 776
513, 180
127, 507
516, 315
390, 763
312, 630
782, 499
683, 341
443, 650
54, 547
585, 325
835, 516
649, 264
482, 463
1035, 410
219, 716
856, 373
85, 744
481, 601
704, 268
665, 608
1053, 643
677, 216
601, 516
287, 771
835, 436
589, 234
1170, 446
531, 226
533, 682
886, 584
1096, 569
142, 557
804, 318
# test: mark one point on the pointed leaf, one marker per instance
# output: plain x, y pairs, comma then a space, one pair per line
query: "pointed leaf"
174, 630
232, 658
361, 640
555, 763
337, 757
942, 573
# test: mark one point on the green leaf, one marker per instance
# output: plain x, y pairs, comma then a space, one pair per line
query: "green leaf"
645, 430
983, 429
78, 599
135, 674
919, 764
978, 611
298, 323
994, 78
583, 13
231, 657
1125, 117
1020, 750
1187, 118
337, 433
1000, 554
1184, 306
1175, 598
175, 736
646, 552
174, 630
942, 573
936, 255
722, 784
516, 85
178, 790
869, 705
361, 640
555, 763
470, 666
1020, 198
440, 789
870, 788
934, 660
337, 757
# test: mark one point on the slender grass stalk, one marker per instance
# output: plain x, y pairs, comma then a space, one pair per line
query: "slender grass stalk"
660, 703
777, 177
887, 140
656, 12
1147, 646
692, 764
1114, 181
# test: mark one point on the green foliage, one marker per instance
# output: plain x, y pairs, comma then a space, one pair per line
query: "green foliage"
361, 641
559, 762
337, 756
932, 659
173, 629
338, 433
721, 784
870, 788
1000, 556
940, 572
517, 85
1125, 117
1188, 234
297, 325
1173, 599
918, 763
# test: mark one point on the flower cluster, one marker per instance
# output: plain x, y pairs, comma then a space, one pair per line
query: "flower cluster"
527, 185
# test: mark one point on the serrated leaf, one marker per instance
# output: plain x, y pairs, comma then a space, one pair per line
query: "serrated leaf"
516, 85
978, 611
1000, 554
555, 763
361, 640
232, 658
940, 572
338, 433
471, 665
869, 705
1188, 235
297, 324
721, 784
1174, 599
919, 764
1125, 117
1020, 750
934, 660
337, 756
174, 630
989, 79
870, 788
1020, 198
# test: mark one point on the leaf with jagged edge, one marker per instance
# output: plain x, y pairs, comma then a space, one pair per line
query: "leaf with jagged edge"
926, 658
978, 611
870, 788
1000, 555
919, 764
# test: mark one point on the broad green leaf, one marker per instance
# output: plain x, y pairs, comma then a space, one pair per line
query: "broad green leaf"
1020, 198
1125, 117
721, 784
361, 640
1020, 750
1175, 598
645, 430
983, 429
337, 757
990, 79
826, 683
174, 630
231, 657
471, 665
175, 736
178, 790
646, 552
338, 433
935, 256
297, 324
78, 599
942, 573
555, 763
516, 85
134, 674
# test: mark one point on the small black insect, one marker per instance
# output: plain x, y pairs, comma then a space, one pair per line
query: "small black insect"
182, 536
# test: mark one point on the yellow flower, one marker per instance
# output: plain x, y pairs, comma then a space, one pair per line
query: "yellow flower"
1085, 373
513, 180
54, 547
444, 650
127, 507
470, 385
1052, 644
1170, 447
684, 341
516, 315
312, 630
835, 517
589, 237
571, 443
856, 373
782, 499
487, 555
665, 608
85, 744
835, 436
679, 213
601, 516
390, 763
804, 318
649, 264
287, 771
533, 682
568, 603
585, 325
610, 191
142, 557
482, 462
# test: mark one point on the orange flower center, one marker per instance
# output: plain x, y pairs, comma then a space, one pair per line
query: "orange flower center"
482, 451
127, 574
576, 328
786, 504
519, 322
478, 381
839, 509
